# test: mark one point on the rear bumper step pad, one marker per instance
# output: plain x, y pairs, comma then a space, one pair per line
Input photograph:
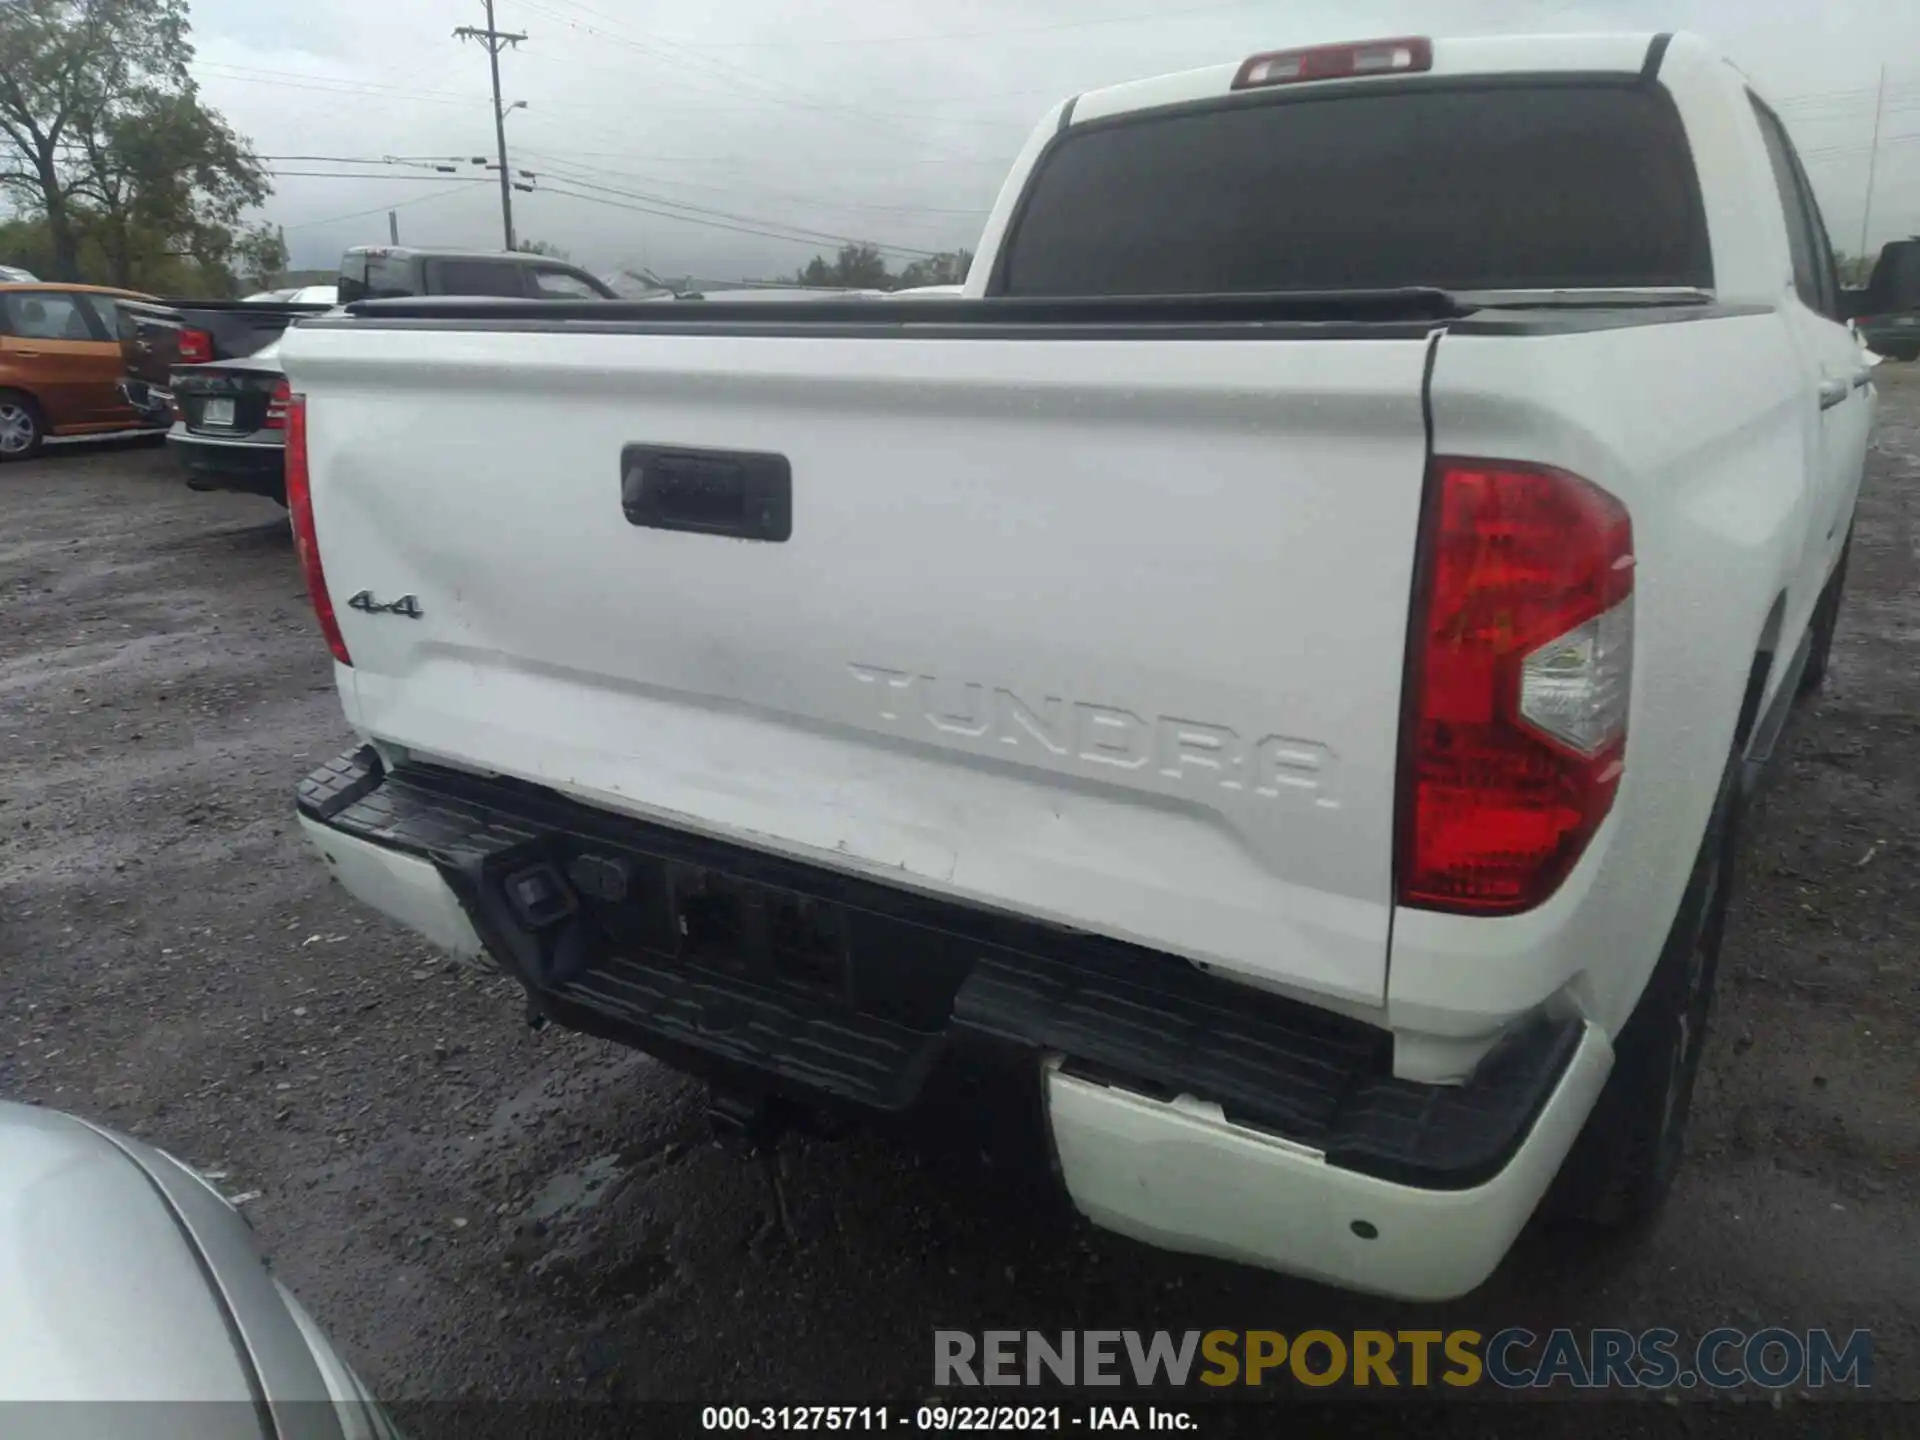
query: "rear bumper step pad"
783, 979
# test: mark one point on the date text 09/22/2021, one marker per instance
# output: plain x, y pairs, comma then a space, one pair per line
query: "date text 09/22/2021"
936, 1419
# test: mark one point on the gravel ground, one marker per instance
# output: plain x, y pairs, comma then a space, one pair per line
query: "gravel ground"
472, 1209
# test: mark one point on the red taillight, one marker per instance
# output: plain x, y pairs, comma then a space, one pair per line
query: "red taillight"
277, 407
1520, 660
1407, 55
196, 347
300, 507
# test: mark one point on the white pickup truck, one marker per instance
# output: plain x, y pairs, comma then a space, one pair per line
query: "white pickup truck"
1243, 714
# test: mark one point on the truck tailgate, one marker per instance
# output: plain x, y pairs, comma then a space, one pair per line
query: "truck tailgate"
150, 331
1107, 632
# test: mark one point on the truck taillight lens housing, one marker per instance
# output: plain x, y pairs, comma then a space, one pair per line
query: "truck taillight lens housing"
195, 348
1519, 669
277, 404
300, 508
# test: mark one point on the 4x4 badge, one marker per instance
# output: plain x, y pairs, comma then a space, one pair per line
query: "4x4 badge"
407, 605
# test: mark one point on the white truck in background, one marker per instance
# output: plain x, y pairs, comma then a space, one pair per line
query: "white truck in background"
1244, 713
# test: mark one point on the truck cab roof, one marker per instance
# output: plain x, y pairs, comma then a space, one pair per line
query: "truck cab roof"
1645, 118
1625, 54
388, 271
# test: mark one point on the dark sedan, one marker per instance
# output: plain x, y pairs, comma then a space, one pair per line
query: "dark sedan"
1896, 336
230, 425
1887, 312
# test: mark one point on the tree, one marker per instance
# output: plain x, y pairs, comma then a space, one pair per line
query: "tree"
23, 242
863, 267
1855, 270
260, 256
949, 267
103, 137
169, 177
542, 247
856, 267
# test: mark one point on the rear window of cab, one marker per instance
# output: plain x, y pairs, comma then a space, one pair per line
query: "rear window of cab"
1537, 185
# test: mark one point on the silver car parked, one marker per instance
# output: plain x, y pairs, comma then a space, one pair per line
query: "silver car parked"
134, 1301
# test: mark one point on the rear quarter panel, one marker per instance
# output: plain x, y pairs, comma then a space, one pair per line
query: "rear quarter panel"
1697, 428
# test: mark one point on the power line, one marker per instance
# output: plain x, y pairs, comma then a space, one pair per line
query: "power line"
1129, 19
1819, 97
722, 225
347, 85
1831, 98
1052, 91
339, 85
688, 160
791, 238
288, 81
716, 161
798, 231
445, 164
1853, 118
442, 63
297, 116
580, 130
357, 175
380, 209
343, 83
601, 170
655, 103
1834, 152
735, 79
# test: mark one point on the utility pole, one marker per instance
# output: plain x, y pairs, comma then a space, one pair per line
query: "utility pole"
493, 39
1873, 158
393, 227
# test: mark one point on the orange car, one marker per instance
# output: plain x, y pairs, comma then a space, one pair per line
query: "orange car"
60, 364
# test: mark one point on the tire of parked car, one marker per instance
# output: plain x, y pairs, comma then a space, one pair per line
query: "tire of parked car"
22, 427
1907, 356
1623, 1163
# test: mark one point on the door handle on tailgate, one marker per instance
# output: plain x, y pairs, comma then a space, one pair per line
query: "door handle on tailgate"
1832, 392
742, 493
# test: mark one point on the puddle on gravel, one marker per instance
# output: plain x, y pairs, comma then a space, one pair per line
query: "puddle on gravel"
569, 1270
587, 1287
573, 1191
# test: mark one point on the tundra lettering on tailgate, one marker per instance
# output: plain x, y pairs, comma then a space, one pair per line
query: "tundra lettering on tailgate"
1053, 728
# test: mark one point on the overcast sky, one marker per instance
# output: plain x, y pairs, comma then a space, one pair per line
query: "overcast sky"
890, 122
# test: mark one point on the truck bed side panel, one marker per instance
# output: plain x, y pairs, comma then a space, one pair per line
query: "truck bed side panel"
1698, 428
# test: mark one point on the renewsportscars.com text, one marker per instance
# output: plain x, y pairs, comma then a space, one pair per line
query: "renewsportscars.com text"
1512, 1359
